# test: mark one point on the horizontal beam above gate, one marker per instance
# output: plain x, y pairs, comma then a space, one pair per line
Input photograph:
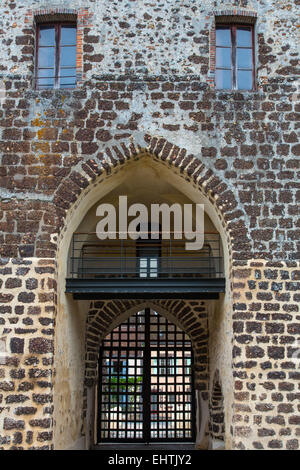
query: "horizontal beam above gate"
178, 288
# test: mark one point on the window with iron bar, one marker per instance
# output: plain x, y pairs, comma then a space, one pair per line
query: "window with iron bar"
56, 56
235, 66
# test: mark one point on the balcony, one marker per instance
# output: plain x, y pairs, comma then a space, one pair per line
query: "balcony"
144, 268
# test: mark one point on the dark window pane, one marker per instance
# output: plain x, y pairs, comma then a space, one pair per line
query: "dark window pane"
223, 79
244, 37
68, 56
51, 44
68, 78
43, 73
244, 59
46, 57
245, 80
223, 37
47, 36
46, 86
45, 82
68, 35
223, 57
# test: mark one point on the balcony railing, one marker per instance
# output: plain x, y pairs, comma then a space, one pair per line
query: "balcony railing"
92, 258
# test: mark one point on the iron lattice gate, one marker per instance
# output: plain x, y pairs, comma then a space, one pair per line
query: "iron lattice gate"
146, 382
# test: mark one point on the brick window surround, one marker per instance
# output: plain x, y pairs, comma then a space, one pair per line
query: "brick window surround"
81, 17
237, 16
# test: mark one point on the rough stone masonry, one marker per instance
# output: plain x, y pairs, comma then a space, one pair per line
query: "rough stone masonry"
145, 82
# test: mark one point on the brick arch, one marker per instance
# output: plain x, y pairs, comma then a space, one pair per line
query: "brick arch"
191, 168
190, 316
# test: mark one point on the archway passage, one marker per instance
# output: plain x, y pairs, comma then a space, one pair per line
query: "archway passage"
103, 299
146, 391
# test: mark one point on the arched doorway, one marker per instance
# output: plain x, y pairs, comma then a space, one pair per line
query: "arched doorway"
145, 390
76, 348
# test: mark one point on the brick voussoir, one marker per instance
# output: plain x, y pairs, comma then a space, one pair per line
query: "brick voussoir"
119, 154
158, 150
79, 179
95, 167
236, 150
126, 151
109, 153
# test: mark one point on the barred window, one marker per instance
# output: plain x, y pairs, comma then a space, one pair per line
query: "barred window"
56, 56
235, 57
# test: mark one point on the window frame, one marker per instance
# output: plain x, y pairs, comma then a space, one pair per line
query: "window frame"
234, 70
57, 55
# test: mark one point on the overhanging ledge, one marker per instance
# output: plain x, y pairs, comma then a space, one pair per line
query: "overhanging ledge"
188, 288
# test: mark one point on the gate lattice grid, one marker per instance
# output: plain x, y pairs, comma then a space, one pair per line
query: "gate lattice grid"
146, 382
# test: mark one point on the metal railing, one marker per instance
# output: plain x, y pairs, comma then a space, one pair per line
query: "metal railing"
148, 259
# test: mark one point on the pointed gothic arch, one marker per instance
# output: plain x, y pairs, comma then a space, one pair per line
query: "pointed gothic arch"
92, 173
85, 186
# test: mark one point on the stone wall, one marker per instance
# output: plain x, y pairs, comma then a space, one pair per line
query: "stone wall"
266, 355
146, 86
247, 139
26, 362
265, 352
40, 150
